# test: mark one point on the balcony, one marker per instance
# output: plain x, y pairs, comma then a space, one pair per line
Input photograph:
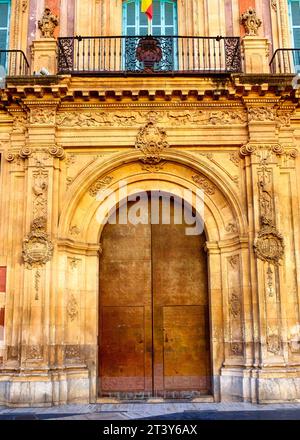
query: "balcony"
285, 61
13, 63
132, 55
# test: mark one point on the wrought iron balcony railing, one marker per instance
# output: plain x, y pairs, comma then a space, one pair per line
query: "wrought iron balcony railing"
13, 63
149, 55
285, 61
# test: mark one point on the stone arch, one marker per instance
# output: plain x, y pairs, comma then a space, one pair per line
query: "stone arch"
127, 166
78, 248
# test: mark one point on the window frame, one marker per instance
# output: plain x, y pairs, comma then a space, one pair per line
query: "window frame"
7, 28
137, 26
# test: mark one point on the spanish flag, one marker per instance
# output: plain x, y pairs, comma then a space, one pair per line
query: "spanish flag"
147, 7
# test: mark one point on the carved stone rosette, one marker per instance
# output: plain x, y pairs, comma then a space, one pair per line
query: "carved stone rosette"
151, 141
37, 247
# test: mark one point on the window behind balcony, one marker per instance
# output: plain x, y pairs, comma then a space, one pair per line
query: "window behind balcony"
164, 18
4, 29
164, 24
294, 12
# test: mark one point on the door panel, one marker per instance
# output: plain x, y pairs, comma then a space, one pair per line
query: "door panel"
125, 356
154, 330
181, 337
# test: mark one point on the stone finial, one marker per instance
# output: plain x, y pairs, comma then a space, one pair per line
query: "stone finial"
48, 24
251, 22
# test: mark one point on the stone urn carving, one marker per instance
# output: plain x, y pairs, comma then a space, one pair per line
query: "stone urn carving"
149, 52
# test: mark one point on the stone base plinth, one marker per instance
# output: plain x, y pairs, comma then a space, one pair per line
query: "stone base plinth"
44, 55
45, 390
260, 386
256, 54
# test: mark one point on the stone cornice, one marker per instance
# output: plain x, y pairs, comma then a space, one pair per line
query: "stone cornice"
68, 89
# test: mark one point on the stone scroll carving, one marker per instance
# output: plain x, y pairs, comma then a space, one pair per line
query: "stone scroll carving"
251, 22
37, 246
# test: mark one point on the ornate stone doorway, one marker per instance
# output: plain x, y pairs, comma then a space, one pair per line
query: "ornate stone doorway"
154, 318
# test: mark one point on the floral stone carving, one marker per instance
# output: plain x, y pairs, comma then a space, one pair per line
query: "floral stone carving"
151, 141
251, 22
37, 247
48, 24
269, 244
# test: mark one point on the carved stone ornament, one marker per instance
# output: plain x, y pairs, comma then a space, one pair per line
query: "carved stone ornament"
269, 244
204, 184
72, 308
37, 247
251, 22
151, 141
274, 343
99, 186
48, 24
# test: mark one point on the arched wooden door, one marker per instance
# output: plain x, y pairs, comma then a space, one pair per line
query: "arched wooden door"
153, 323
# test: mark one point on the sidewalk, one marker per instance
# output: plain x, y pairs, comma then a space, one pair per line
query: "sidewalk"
159, 411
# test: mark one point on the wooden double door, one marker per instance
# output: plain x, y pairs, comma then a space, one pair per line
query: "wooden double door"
153, 323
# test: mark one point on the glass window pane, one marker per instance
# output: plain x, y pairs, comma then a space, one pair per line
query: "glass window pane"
130, 14
144, 31
156, 30
3, 38
156, 13
130, 31
297, 38
143, 19
3, 14
169, 14
296, 13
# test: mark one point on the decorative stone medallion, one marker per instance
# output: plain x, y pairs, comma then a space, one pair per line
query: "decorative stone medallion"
37, 247
269, 245
151, 141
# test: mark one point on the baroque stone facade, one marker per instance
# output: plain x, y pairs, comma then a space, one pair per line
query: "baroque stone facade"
68, 141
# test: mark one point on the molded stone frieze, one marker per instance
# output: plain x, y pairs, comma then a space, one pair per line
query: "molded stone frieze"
20, 122
251, 22
48, 23
204, 184
42, 116
37, 247
151, 141
72, 352
193, 117
100, 185
34, 352
261, 114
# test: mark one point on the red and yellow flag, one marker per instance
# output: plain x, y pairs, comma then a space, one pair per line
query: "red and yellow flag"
147, 7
